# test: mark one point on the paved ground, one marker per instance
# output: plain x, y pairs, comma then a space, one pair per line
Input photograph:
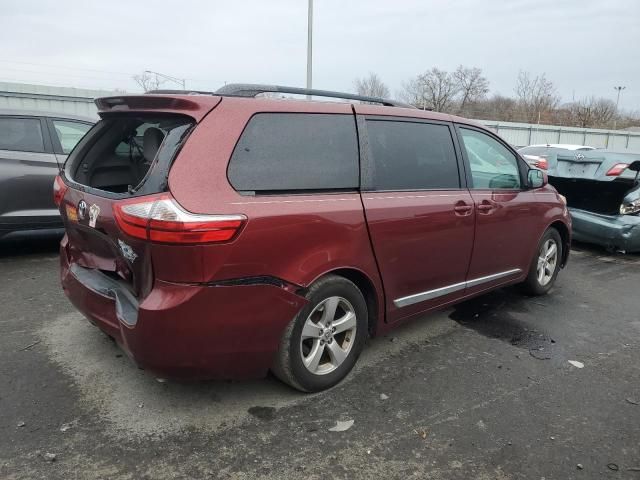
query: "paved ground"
484, 390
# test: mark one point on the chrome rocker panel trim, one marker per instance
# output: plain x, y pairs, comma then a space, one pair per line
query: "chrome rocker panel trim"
439, 292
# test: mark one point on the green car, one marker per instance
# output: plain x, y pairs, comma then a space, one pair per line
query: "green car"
602, 192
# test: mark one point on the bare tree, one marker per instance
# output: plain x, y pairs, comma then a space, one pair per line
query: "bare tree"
147, 81
497, 107
472, 85
371, 86
629, 119
593, 112
536, 96
435, 90
412, 92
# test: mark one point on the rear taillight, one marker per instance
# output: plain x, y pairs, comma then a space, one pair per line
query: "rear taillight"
59, 190
617, 169
537, 161
542, 163
160, 219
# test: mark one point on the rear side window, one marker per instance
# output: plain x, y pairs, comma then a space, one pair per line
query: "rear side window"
69, 133
21, 134
412, 156
296, 152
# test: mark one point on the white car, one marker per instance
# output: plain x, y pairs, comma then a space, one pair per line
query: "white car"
566, 146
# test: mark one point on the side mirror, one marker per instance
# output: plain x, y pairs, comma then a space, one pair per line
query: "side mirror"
537, 178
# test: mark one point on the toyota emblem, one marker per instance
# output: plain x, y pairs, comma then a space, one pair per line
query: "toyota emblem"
82, 209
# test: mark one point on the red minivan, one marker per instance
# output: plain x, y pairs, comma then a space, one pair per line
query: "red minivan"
223, 235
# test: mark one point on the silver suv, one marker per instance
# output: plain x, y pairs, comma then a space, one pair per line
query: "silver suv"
33, 146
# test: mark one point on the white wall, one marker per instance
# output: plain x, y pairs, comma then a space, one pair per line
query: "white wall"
523, 134
77, 101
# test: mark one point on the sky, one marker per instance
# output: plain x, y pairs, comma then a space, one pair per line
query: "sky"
585, 47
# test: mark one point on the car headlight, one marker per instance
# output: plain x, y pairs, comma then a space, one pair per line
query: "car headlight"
629, 208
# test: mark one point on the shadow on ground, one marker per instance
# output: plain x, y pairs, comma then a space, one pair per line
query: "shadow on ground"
30, 243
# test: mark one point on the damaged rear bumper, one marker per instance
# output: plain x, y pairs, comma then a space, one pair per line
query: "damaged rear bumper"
187, 331
616, 232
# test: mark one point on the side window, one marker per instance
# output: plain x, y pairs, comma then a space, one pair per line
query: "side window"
69, 133
412, 156
492, 164
296, 151
21, 134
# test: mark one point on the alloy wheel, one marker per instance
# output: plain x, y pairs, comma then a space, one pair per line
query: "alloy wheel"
328, 335
547, 261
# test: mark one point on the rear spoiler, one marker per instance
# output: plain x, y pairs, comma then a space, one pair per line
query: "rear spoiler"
634, 166
196, 106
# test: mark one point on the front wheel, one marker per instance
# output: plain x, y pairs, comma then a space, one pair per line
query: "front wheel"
545, 265
322, 343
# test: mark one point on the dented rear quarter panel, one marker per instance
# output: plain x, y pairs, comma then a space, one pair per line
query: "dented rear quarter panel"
297, 238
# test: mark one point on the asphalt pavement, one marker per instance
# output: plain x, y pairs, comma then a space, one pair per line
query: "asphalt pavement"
499, 387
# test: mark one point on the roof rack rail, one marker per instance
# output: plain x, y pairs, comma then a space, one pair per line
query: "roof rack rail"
251, 90
179, 92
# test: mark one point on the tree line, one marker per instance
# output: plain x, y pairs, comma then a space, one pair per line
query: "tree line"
465, 92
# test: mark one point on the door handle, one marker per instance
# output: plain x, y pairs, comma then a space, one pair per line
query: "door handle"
486, 207
462, 209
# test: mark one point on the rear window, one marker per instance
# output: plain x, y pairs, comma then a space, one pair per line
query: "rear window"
296, 152
121, 150
412, 156
21, 134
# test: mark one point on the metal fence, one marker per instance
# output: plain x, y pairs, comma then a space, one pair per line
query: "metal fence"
21, 96
523, 134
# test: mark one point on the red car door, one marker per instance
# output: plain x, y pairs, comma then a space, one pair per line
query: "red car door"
507, 214
420, 216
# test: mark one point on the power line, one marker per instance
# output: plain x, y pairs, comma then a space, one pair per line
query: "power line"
66, 73
57, 74
64, 67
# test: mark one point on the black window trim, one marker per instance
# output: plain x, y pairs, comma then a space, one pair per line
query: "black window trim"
366, 157
523, 167
298, 192
55, 141
46, 140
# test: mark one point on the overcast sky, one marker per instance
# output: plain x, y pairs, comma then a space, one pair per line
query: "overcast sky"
585, 47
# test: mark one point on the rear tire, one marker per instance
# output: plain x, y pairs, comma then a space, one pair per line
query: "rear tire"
545, 264
321, 344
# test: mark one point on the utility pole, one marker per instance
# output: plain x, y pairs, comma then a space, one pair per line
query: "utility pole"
619, 89
310, 46
180, 81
